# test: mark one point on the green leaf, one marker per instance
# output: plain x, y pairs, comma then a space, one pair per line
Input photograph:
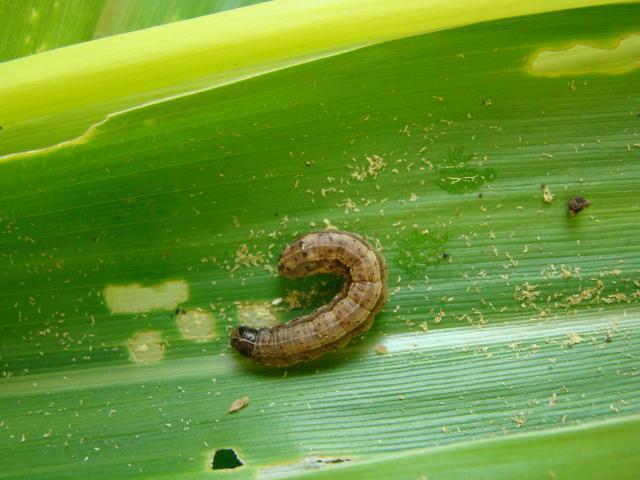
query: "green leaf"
135, 237
601, 450
33, 26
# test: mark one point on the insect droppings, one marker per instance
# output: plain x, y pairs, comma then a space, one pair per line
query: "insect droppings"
381, 349
547, 196
350, 313
238, 404
577, 204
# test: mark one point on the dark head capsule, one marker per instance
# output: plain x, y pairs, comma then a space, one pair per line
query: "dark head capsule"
243, 339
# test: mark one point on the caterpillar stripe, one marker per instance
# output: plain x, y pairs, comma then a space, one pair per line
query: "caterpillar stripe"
350, 313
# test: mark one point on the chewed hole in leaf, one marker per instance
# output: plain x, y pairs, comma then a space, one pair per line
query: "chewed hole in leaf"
225, 459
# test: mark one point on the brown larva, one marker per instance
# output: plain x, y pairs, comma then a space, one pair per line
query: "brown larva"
350, 313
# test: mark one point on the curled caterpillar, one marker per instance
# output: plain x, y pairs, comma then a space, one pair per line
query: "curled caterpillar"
350, 313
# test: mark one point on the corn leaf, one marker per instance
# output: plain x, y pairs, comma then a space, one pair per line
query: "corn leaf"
147, 188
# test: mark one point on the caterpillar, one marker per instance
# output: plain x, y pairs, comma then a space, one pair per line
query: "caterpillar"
350, 313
